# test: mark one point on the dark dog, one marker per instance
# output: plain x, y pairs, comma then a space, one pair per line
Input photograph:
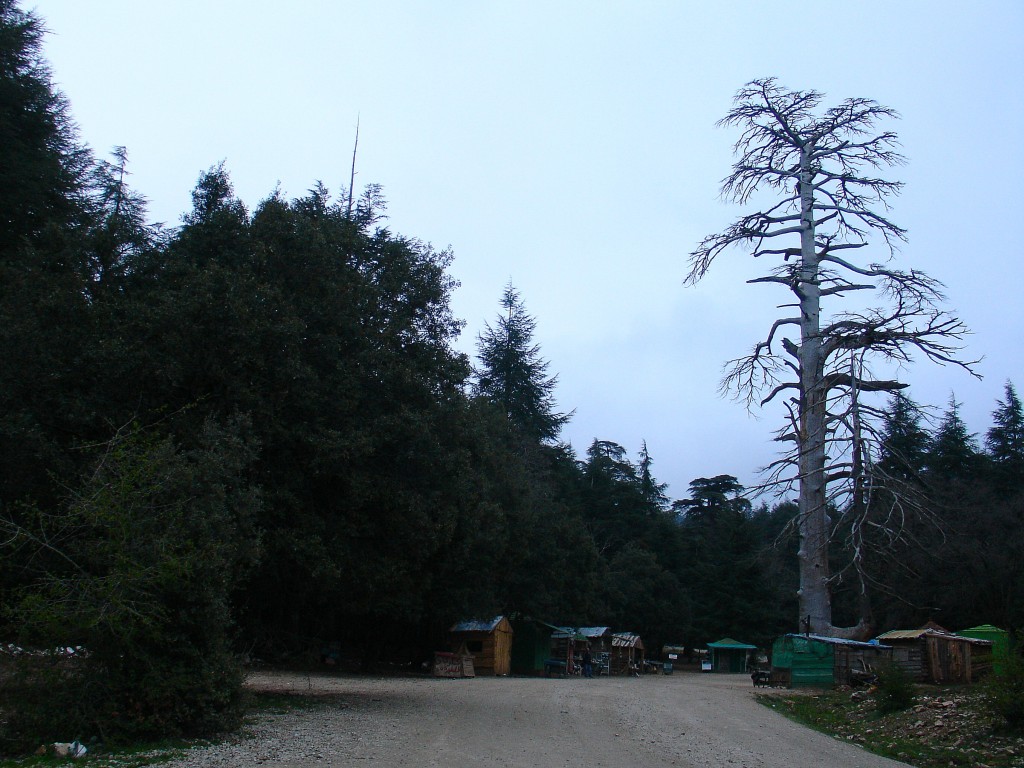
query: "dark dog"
761, 678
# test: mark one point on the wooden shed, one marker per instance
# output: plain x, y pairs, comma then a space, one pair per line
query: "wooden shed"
933, 655
488, 642
567, 644
598, 638
819, 661
728, 655
627, 655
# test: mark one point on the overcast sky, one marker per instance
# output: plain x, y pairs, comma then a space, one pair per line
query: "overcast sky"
570, 148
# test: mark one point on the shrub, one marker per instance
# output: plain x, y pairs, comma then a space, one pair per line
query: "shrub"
895, 691
1004, 691
137, 567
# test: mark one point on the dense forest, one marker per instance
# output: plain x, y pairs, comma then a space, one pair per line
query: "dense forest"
251, 433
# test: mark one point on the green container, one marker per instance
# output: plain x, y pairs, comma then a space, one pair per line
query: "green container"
531, 647
1000, 642
810, 662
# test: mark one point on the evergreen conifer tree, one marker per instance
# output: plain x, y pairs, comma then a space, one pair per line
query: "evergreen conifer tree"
953, 454
652, 491
44, 166
513, 375
904, 443
1005, 440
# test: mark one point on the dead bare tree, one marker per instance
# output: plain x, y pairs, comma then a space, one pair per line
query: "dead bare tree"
823, 167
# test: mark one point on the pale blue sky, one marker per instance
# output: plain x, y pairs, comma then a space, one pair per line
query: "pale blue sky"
570, 147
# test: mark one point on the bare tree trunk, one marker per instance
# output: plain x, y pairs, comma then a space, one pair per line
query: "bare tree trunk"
815, 603
815, 592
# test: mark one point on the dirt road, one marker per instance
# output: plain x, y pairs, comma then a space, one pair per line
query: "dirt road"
665, 720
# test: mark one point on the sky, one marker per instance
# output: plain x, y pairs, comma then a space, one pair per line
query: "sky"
570, 148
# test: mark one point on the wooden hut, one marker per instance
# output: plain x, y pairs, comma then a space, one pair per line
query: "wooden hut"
815, 660
627, 655
933, 655
567, 644
598, 638
728, 655
488, 642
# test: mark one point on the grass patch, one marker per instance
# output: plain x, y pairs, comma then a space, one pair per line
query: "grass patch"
130, 757
945, 726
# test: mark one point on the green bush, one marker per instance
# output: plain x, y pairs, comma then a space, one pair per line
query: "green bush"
1004, 691
37, 690
137, 567
895, 691
50, 699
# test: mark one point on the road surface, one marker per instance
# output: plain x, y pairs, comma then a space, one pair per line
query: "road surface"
684, 720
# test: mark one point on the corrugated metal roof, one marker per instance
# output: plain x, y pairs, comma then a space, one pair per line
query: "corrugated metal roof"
626, 640
477, 626
905, 634
917, 634
594, 631
566, 633
842, 641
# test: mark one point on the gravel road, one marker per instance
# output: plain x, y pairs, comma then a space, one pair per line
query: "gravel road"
658, 720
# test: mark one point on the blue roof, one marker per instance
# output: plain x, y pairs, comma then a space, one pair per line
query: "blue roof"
841, 641
562, 633
477, 626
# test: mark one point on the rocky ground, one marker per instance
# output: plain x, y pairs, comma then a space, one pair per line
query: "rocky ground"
944, 727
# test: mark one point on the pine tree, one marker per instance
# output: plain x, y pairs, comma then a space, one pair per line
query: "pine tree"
43, 282
513, 375
953, 455
44, 166
652, 491
1005, 440
904, 443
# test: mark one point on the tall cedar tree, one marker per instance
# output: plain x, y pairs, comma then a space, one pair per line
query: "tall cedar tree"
44, 166
43, 283
1005, 441
641, 587
829, 202
513, 375
904, 441
953, 455
723, 568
